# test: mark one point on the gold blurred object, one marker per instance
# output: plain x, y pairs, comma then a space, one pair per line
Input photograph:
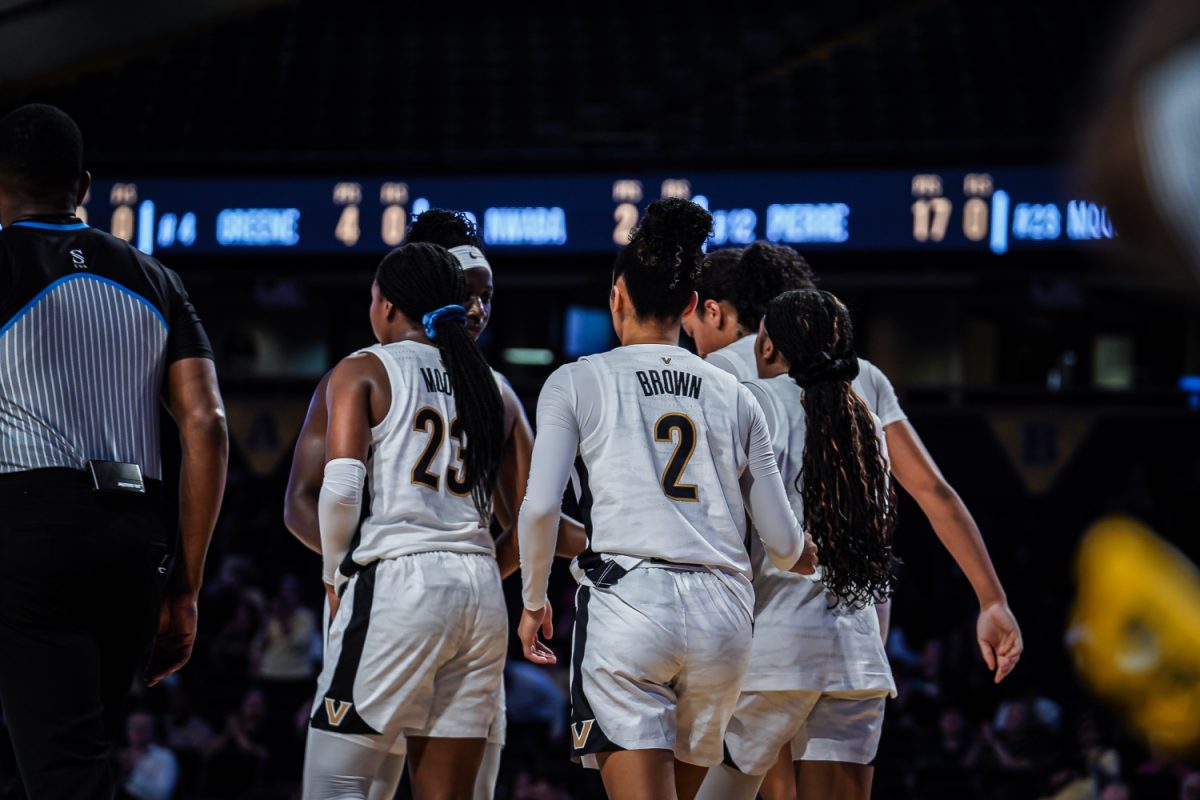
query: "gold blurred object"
1135, 630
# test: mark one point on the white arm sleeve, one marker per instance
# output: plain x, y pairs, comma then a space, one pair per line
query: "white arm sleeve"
338, 511
766, 497
554, 451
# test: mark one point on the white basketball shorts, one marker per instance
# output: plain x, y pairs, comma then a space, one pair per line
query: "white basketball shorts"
833, 726
417, 649
656, 663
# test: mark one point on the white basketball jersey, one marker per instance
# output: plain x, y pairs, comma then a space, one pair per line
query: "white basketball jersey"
419, 500
800, 642
663, 443
871, 384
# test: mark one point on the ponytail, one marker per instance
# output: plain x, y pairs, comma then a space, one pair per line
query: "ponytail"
426, 283
849, 499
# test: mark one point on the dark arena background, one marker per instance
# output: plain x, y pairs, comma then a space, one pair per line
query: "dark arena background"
943, 165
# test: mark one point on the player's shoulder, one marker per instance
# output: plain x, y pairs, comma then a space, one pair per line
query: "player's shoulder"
363, 364
870, 374
773, 393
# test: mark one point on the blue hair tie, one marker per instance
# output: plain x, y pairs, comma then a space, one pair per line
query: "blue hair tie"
445, 312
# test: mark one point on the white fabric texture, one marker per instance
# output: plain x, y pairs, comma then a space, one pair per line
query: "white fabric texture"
414, 462
839, 726
800, 641
338, 509
661, 655
470, 257
871, 384
842, 726
628, 415
432, 661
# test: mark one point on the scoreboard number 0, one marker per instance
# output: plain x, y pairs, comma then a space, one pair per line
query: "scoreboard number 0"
975, 219
395, 223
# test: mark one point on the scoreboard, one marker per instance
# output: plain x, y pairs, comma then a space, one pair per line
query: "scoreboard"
988, 211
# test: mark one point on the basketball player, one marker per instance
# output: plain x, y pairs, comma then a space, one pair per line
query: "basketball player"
454, 231
663, 446
734, 294
420, 649
818, 671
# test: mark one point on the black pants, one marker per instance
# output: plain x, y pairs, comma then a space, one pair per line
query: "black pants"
80, 584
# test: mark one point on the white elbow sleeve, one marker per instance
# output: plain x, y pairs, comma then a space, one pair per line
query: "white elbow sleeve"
338, 511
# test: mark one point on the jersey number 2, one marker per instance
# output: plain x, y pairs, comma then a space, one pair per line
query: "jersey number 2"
430, 421
664, 431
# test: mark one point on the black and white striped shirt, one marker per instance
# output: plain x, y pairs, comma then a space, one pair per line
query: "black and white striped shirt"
88, 327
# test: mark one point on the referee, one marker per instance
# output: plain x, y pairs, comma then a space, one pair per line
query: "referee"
94, 336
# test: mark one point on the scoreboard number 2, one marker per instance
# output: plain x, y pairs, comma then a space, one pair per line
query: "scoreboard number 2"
626, 217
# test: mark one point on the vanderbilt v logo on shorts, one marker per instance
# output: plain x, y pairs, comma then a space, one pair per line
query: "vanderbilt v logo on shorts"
579, 732
336, 710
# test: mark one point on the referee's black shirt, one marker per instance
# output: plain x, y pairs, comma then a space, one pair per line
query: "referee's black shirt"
88, 327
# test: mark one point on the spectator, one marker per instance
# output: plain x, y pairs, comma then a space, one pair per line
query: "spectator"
1189, 789
237, 757
283, 654
1115, 791
230, 654
187, 734
147, 771
283, 650
1103, 762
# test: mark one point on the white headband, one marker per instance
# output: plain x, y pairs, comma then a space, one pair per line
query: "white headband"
471, 257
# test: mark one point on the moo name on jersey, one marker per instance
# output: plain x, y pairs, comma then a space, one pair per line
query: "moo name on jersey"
437, 380
669, 381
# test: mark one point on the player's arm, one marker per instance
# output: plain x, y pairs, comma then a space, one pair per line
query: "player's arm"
510, 491
348, 405
786, 543
304, 479
997, 630
193, 399
537, 528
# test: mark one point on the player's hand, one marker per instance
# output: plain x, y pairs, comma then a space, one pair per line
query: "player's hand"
999, 638
176, 637
334, 601
807, 564
527, 631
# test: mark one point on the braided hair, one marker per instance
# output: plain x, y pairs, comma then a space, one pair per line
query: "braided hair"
419, 278
447, 228
849, 499
662, 262
750, 280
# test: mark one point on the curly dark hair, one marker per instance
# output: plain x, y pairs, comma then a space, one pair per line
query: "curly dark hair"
849, 499
446, 228
753, 278
421, 277
662, 262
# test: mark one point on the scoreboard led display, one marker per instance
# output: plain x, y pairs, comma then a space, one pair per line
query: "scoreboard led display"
996, 211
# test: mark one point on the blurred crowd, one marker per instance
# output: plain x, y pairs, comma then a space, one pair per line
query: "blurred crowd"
233, 723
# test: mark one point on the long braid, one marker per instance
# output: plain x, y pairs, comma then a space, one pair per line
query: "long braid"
419, 278
849, 499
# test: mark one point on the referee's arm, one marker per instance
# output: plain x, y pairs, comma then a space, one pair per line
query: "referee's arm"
194, 400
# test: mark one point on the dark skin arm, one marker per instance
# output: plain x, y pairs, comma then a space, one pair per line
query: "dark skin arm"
510, 491
194, 400
308, 470
358, 397
997, 631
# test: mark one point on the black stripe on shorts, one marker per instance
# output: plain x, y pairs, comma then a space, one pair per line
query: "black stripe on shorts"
586, 734
336, 711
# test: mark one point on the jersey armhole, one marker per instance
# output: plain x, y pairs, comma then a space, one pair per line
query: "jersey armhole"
392, 370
